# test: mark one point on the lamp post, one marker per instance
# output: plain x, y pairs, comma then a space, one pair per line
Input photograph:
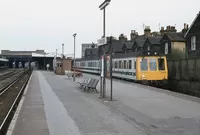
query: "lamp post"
74, 35
63, 59
103, 7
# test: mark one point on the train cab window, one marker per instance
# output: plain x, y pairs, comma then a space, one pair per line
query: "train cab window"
152, 64
120, 64
130, 64
144, 64
124, 64
161, 64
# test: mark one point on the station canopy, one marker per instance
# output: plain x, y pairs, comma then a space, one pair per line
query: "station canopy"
42, 55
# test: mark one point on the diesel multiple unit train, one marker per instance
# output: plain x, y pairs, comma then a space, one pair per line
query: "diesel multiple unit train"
131, 66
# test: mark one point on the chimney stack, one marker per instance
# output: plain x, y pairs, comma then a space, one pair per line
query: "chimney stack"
162, 31
171, 29
133, 35
185, 28
122, 37
147, 31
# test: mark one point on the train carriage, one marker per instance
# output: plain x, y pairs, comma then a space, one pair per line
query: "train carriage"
138, 66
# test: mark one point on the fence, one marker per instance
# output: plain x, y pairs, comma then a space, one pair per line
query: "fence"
184, 69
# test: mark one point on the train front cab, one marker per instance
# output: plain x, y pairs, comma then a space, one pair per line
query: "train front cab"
151, 68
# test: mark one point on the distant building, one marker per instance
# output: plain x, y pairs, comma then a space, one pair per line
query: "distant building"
193, 38
172, 41
86, 46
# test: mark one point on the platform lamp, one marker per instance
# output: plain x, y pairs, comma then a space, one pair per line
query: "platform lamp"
63, 72
103, 7
74, 35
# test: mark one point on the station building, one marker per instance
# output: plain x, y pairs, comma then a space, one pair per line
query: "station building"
18, 59
39, 57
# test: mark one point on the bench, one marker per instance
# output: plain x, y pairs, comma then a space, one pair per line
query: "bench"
85, 81
91, 85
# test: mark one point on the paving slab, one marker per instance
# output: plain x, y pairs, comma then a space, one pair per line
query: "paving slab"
56, 105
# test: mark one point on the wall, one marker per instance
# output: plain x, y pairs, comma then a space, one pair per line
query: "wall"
184, 76
66, 63
179, 45
185, 69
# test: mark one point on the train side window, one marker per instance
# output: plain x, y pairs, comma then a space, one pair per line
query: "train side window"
130, 64
115, 64
120, 64
124, 64
144, 65
161, 64
135, 64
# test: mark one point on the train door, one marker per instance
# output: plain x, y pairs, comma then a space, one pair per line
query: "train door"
134, 66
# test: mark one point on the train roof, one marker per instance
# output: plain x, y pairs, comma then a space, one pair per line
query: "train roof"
2, 59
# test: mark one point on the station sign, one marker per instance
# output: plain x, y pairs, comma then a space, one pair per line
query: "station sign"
102, 41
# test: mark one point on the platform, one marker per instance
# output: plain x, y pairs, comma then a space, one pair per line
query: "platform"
55, 105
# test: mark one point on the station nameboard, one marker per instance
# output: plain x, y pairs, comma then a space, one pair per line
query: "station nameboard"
102, 41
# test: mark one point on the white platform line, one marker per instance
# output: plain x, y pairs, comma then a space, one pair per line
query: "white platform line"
14, 119
58, 120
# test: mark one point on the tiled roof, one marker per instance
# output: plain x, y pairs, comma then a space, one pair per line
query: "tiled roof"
117, 45
174, 36
140, 40
197, 19
155, 40
128, 44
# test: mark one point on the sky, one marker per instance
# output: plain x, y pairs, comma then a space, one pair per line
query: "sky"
47, 24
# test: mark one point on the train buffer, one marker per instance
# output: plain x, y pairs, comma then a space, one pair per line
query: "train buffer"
54, 105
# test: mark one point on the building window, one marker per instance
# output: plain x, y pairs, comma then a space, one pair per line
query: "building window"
193, 43
148, 48
166, 48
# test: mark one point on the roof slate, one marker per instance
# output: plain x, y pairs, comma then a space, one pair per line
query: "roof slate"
155, 40
140, 40
128, 44
174, 36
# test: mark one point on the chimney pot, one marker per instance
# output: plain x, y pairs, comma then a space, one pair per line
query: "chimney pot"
132, 31
185, 26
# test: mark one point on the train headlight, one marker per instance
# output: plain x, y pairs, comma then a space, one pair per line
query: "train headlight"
155, 53
143, 76
148, 53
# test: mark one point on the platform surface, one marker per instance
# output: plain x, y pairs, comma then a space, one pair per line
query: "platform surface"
55, 105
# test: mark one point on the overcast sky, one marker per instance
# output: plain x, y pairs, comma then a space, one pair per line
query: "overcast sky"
46, 24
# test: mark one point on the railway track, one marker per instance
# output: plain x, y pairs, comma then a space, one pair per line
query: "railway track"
9, 99
8, 78
8, 74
